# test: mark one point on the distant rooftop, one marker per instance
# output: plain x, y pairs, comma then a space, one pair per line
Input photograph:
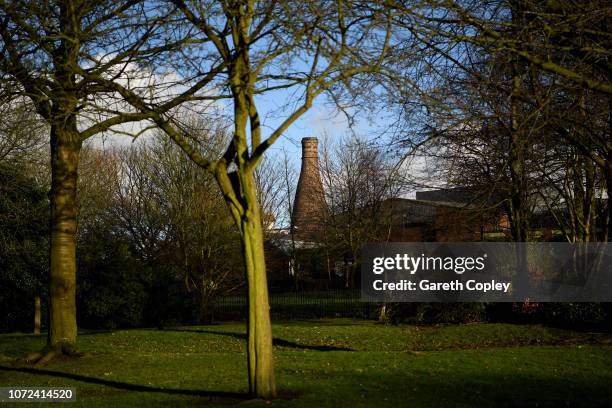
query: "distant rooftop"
459, 195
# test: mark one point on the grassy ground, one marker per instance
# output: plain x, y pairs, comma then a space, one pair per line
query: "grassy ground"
333, 363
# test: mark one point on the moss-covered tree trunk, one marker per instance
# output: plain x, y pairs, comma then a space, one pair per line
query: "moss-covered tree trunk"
241, 196
65, 149
240, 193
260, 360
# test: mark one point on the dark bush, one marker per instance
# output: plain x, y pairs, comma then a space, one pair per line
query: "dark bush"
430, 313
571, 314
112, 284
169, 303
24, 247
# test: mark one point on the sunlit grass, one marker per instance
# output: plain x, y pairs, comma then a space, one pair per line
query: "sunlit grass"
331, 363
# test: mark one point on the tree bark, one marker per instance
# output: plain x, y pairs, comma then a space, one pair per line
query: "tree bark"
519, 224
259, 328
608, 221
608, 178
37, 314
518, 186
65, 149
240, 193
241, 197
590, 202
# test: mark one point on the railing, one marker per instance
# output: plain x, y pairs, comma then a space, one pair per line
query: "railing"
296, 305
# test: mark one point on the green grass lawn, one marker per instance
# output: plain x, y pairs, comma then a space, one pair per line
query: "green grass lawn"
333, 363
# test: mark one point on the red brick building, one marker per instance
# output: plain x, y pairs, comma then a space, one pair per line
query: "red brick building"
439, 215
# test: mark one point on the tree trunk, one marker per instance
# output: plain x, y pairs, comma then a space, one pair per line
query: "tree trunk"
518, 187
204, 313
519, 223
37, 314
240, 193
65, 149
607, 229
259, 327
608, 221
590, 210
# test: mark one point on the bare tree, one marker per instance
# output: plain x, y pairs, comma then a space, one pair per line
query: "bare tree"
22, 132
269, 180
570, 40
358, 179
99, 173
22, 163
521, 136
200, 237
66, 57
564, 46
308, 48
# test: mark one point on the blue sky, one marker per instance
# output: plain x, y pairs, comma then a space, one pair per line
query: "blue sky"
321, 119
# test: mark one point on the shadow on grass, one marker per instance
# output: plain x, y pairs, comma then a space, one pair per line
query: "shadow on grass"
336, 322
23, 336
474, 389
43, 334
218, 396
276, 341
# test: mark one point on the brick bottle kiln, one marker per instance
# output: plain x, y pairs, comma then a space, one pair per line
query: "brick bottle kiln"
309, 203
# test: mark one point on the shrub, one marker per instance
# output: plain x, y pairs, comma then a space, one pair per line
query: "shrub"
430, 313
112, 285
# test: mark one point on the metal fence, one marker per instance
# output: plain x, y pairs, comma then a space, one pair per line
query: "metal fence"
298, 305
